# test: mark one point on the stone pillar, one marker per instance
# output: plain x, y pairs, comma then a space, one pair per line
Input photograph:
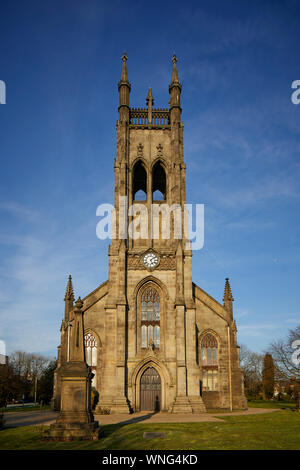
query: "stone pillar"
121, 403
193, 376
181, 403
108, 383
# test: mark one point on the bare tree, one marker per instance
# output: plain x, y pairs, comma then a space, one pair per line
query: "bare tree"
252, 366
19, 363
287, 365
283, 355
28, 365
38, 364
28, 368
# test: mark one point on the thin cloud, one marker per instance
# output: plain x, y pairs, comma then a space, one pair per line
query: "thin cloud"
19, 210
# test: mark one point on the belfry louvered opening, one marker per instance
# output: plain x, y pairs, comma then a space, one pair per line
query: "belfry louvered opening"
139, 189
158, 183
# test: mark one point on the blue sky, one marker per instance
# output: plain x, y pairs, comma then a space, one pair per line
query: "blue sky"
61, 62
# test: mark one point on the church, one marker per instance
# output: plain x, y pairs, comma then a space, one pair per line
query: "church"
155, 341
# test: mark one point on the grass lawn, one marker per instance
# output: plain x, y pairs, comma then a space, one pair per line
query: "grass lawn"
25, 408
280, 405
278, 430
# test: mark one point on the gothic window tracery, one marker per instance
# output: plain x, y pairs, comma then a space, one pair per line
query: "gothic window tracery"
150, 321
209, 357
91, 345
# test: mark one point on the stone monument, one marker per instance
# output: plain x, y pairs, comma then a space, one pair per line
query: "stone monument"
75, 420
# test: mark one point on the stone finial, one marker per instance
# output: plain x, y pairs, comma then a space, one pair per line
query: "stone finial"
174, 78
150, 101
78, 304
124, 74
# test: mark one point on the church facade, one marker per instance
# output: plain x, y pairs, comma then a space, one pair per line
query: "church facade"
154, 339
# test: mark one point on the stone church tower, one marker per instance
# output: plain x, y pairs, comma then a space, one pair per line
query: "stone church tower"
154, 339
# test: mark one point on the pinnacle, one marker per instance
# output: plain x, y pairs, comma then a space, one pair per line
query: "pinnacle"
124, 75
69, 290
175, 78
227, 291
149, 99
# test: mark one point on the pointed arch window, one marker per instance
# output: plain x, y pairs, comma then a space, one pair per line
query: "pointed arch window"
158, 182
209, 357
91, 345
139, 182
150, 321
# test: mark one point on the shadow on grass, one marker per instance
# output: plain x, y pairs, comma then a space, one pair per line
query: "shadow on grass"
109, 429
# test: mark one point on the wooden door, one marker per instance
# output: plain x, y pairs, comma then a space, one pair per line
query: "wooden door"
150, 390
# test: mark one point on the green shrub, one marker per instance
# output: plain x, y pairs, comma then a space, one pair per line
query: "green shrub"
103, 411
2, 420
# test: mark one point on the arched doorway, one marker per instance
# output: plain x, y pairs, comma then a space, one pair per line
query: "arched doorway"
150, 390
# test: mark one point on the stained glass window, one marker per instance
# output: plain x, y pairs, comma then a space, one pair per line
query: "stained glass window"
150, 322
90, 343
144, 310
150, 333
156, 335
156, 311
209, 355
144, 336
209, 347
210, 380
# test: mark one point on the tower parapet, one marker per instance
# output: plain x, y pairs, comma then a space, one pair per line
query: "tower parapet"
140, 117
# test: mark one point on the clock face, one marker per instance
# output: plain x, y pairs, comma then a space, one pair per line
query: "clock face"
150, 260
